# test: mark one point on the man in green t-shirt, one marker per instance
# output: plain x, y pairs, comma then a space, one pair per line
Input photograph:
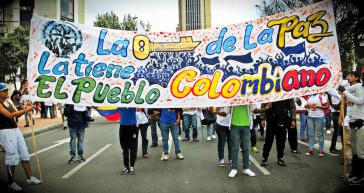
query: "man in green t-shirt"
240, 134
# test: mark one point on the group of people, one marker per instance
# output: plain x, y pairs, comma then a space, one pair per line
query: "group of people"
233, 125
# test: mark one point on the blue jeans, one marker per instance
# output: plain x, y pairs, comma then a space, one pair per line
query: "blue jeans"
240, 135
303, 126
153, 126
315, 125
189, 120
76, 134
165, 128
211, 129
223, 135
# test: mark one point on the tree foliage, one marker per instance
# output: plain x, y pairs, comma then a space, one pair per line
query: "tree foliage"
111, 20
14, 53
349, 23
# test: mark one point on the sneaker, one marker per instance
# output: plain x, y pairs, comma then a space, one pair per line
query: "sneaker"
81, 158
185, 139
255, 150
295, 152
165, 157
72, 160
222, 163
196, 140
282, 163
248, 172
208, 138
132, 171
309, 153
179, 156
125, 171
33, 180
321, 154
328, 132
213, 136
233, 173
179, 137
146, 156
15, 187
356, 181
264, 163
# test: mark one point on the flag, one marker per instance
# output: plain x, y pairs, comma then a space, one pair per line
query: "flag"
109, 113
246, 58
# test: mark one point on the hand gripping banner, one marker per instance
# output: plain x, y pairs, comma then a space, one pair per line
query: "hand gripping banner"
272, 58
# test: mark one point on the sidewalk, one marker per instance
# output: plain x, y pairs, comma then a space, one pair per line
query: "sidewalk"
41, 125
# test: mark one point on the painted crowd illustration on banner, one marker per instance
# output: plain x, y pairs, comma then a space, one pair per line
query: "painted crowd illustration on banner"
272, 58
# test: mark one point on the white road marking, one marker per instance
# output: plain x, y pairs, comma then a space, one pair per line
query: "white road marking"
74, 170
58, 143
255, 162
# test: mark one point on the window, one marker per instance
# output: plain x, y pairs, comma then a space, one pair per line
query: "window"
67, 10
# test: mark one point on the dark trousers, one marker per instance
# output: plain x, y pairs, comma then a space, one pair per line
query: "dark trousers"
128, 136
357, 168
223, 135
153, 127
337, 129
280, 133
292, 138
143, 128
253, 135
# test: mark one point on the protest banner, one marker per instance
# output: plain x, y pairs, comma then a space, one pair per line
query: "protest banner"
282, 56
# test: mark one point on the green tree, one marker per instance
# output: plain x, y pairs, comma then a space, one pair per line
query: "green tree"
107, 20
349, 22
111, 20
14, 53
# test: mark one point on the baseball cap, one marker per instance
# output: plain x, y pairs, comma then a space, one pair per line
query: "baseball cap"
3, 86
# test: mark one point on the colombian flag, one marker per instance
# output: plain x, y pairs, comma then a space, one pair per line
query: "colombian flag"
109, 113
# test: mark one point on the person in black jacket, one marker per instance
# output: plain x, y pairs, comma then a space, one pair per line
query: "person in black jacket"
280, 116
77, 122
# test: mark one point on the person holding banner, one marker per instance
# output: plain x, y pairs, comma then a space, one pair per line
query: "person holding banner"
128, 136
13, 141
143, 124
223, 116
355, 94
170, 118
240, 134
316, 104
77, 122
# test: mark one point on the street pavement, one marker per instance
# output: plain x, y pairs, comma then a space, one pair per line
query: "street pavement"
198, 172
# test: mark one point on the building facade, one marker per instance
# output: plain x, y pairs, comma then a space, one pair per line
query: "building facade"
194, 14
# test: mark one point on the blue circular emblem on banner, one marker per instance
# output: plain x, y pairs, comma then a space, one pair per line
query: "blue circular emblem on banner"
61, 38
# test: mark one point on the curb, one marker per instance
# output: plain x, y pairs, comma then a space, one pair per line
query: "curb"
42, 130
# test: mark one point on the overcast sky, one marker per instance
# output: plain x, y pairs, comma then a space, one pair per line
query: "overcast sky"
163, 14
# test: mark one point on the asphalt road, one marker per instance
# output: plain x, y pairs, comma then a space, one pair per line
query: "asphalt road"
198, 172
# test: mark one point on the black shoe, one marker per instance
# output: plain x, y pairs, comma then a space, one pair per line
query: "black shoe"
335, 151
264, 163
355, 181
64, 127
81, 158
154, 145
282, 163
72, 160
295, 152
125, 171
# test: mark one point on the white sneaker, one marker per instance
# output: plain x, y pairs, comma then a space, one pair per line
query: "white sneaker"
33, 180
180, 156
213, 136
208, 138
328, 132
233, 173
15, 187
165, 157
248, 172
179, 137
222, 163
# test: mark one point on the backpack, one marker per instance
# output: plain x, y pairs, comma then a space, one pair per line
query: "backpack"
209, 117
